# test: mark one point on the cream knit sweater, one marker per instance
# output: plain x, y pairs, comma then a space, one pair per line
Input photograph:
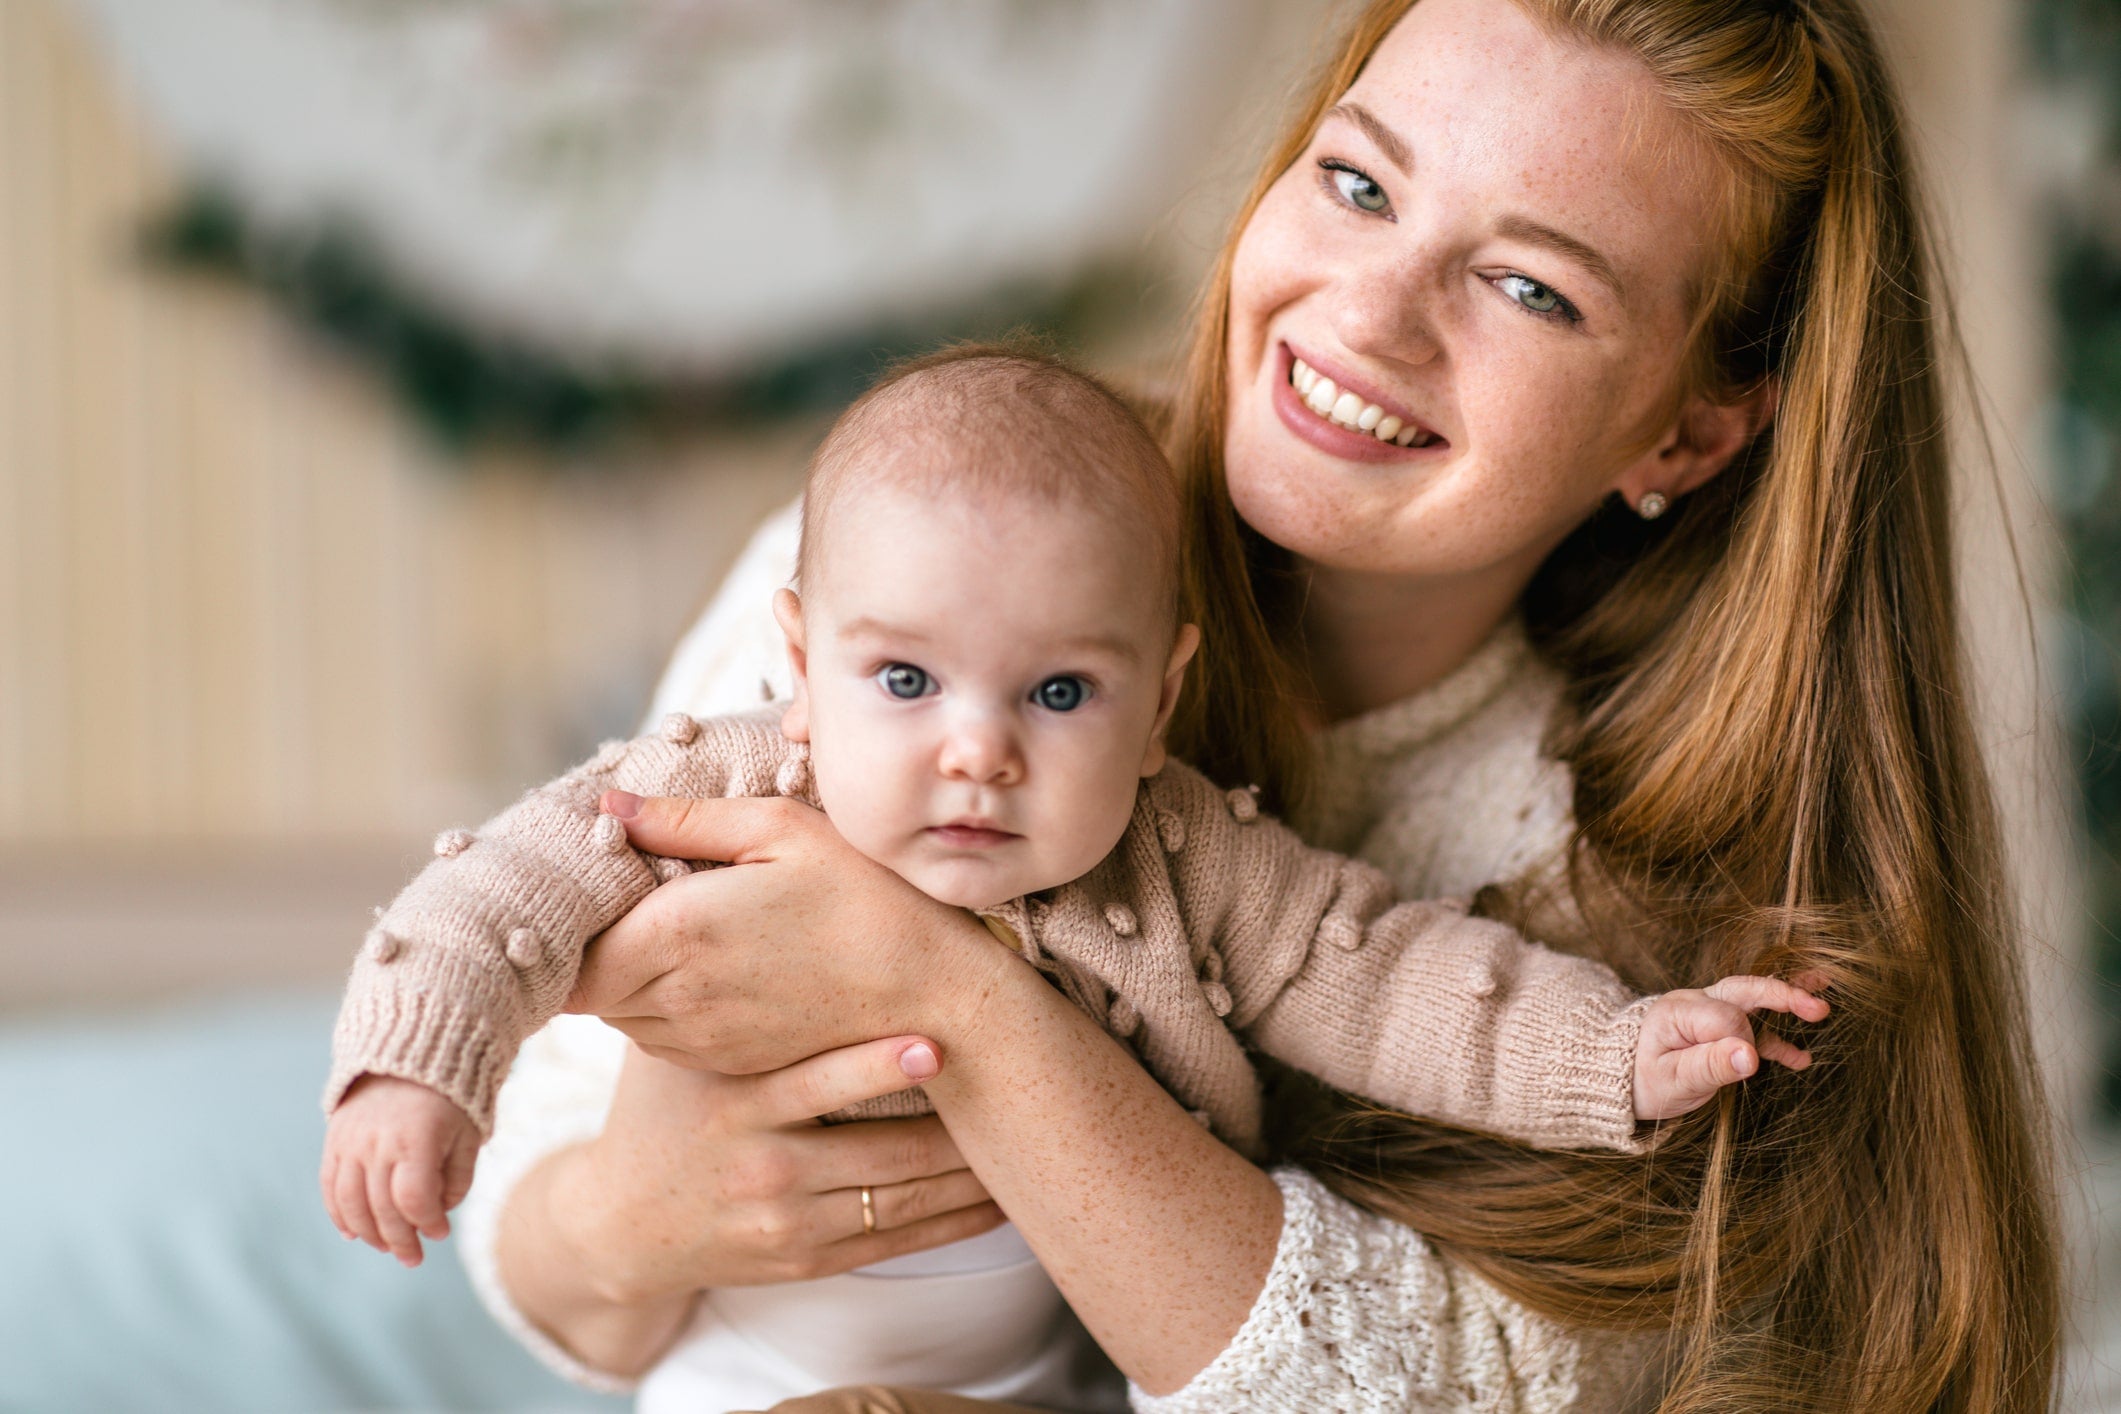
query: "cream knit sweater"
1443, 793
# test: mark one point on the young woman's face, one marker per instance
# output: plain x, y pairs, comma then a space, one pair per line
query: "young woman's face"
1488, 249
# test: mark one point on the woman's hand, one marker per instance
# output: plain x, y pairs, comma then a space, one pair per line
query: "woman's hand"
1159, 1236
803, 946
702, 1180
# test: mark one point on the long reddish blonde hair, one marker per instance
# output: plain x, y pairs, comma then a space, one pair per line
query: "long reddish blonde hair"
1775, 772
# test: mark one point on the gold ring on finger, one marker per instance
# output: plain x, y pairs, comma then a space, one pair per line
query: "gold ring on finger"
868, 1210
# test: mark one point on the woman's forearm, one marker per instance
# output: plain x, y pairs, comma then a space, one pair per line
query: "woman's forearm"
1159, 1236
547, 1250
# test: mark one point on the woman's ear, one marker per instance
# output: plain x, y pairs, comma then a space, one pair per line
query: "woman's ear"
1701, 442
1182, 650
788, 613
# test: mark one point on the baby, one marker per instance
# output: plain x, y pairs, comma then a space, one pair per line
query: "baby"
986, 648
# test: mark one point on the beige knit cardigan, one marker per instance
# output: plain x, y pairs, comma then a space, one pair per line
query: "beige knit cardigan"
1210, 929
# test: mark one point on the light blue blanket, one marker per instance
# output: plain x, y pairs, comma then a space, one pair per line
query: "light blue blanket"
162, 1247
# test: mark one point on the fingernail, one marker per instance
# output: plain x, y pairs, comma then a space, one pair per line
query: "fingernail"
918, 1062
622, 803
1743, 1060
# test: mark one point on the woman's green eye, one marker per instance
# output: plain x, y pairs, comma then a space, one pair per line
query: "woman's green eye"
1062, 694
1358, 190
904, 680
1540, 299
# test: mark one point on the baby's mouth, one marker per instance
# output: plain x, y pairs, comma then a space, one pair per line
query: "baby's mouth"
1347, 410
972, 834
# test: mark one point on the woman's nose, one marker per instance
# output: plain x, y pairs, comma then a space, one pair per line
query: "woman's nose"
982, 751
1385, 309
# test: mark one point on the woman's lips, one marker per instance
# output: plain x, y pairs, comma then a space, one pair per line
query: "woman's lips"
1328, 436
972, 836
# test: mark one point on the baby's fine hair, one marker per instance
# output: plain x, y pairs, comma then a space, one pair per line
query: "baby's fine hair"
999, 421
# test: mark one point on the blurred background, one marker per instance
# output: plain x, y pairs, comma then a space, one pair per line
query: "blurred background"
385, 386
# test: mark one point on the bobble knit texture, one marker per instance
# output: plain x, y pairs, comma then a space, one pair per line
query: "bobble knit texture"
1241, 935
1446, 792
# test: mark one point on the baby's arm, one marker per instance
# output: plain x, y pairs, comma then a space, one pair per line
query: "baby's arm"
481, 950
1424, 1008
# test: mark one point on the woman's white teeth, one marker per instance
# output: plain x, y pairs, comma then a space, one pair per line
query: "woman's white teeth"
1349, 411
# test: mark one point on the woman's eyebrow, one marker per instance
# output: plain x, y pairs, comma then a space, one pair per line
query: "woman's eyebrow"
1391, 144
1525, 229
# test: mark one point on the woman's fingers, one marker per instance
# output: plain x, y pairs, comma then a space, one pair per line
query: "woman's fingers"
1771, 994
837, 1079
900, 1205
884, 1244
877, 1152
739, 830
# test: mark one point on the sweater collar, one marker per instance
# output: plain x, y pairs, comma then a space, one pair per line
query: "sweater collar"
1415, 720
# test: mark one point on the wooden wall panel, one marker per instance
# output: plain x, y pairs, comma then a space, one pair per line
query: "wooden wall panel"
240, 599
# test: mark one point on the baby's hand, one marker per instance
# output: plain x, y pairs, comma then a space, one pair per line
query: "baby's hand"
397, 1158
1696, 1042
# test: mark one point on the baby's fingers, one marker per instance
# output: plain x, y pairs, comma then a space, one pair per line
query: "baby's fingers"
1707, 1068
398, 1238
1783, 1052
1772, 994
416, 1194
350, 1187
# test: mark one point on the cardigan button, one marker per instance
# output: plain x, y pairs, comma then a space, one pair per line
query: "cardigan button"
667, 869
680, 729
1218, 997
1121, 918
609, 833
523, 950
1341, 931
384, 947
1244, 804
1171, 830
793, 779
451, 843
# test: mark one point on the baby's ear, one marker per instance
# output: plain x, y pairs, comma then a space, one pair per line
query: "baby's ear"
1182, 650
788, 613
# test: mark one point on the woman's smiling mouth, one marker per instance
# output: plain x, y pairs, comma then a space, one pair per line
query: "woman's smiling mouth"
1342, 420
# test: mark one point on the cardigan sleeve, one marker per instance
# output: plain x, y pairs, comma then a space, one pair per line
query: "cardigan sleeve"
1360, 1315
1416, 1005
482, 948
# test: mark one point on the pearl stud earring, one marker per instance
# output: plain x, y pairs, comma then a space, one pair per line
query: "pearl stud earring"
1652, 505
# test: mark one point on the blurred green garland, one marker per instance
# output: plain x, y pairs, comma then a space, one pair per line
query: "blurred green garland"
467, 387
2077, 47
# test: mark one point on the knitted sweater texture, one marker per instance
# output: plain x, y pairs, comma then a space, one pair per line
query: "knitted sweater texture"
1446, 792
1209, 929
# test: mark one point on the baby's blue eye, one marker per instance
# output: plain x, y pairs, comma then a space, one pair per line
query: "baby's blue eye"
904, 680
1062, 694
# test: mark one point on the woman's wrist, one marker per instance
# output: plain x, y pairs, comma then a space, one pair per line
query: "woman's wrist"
568, 1274
966, 970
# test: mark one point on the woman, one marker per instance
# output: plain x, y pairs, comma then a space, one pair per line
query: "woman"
1648, 276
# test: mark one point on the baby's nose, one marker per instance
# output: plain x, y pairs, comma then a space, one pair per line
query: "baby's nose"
984, 752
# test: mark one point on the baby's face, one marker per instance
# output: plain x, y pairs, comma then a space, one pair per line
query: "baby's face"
982, 686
